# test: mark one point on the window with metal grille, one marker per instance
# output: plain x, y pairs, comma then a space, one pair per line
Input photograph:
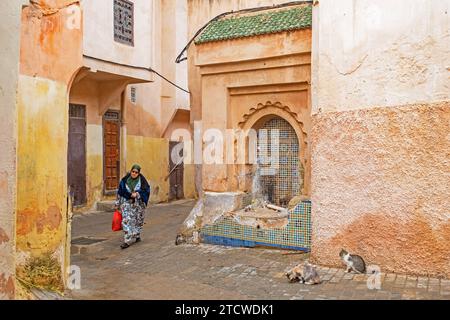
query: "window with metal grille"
112, 115
133, 94
124, 22
77, 111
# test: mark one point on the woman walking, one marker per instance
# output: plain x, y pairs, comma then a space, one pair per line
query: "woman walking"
132, 199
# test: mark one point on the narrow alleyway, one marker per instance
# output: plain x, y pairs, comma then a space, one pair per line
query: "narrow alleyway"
157, 269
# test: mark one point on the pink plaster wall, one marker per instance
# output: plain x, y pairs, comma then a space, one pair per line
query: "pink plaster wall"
380, 187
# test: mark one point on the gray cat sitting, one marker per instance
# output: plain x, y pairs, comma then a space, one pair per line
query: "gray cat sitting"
304, 273
353, 262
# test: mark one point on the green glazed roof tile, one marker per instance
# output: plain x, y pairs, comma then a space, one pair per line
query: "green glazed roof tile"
247, 26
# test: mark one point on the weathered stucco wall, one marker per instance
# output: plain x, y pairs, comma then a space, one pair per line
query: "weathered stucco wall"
238, 84
143, 116
199, 13
50, 56
41, 187
174, 31
380, 134
152, 154
9, 64
380, 187
98, 40
395, 50
86, 92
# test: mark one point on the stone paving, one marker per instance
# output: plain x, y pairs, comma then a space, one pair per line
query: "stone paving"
158, 269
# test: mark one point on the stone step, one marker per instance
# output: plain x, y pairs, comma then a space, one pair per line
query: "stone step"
105, 206
84, 245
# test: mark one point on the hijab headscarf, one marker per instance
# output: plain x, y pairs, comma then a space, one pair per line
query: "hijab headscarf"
133, 182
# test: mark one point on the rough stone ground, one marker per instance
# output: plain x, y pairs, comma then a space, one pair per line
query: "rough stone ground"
157, 269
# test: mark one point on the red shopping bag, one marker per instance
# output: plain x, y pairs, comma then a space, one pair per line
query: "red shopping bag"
117, 221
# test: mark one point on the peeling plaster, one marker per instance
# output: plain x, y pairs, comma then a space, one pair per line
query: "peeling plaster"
52, 8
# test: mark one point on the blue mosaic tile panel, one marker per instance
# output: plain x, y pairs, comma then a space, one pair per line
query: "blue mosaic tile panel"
295, 236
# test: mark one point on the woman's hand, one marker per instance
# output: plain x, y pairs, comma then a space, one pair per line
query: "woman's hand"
134, 195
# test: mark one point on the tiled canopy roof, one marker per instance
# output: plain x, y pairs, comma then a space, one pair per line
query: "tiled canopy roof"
265, 23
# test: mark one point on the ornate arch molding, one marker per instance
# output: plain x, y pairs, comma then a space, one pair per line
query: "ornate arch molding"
254, 115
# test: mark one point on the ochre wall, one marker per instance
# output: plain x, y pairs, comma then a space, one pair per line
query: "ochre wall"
50, 56
380, 134
41, 187
152, 154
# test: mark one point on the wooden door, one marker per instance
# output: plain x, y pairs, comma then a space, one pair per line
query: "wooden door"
176, 190
111, 158
76, 158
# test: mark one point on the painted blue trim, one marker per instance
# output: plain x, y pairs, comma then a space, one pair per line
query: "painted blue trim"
230, 242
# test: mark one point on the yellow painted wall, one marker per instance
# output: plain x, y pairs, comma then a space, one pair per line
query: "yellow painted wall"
189, 182
41, 167
152, 154
50, 56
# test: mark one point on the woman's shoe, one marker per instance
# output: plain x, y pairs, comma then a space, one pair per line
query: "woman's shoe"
124, 246
138, 240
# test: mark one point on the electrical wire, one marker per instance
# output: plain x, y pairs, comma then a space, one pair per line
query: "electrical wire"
180, 57
140, 68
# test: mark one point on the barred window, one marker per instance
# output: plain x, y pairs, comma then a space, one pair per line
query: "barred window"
133, 96
124, 22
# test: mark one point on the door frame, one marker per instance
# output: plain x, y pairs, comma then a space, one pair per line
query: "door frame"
119, 121
85, 200
176, 171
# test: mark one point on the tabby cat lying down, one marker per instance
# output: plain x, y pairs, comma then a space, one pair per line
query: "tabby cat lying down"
304, 273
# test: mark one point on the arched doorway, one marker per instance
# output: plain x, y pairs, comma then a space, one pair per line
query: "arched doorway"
280, 172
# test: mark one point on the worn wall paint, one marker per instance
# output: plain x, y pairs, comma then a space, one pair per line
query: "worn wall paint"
174, 29
182, 121
41, 166
380, 175
396, 50
381, 187
199, 13
156, 102
86, 92
152, 154
268, 69
141, 122
189, 182
44, 32
9, 64
99, 41
94, 162
50, 57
